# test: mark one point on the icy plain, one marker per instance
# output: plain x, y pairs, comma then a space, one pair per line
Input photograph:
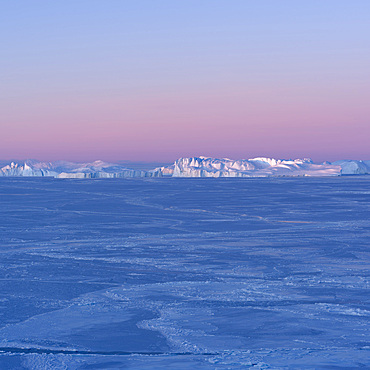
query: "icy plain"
152, 273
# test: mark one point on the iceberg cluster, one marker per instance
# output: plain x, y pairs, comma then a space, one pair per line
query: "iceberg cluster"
261, 167
191, 167
63, 169
256, 167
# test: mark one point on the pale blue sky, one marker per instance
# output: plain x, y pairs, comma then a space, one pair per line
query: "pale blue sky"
88, 70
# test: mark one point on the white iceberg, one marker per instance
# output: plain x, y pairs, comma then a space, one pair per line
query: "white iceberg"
191, 167
255, 167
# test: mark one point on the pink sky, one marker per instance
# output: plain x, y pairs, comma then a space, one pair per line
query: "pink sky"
237, 123
154, 83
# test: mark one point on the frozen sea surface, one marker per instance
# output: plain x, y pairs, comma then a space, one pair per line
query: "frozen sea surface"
184, 273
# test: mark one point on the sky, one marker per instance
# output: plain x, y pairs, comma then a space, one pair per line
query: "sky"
145, 80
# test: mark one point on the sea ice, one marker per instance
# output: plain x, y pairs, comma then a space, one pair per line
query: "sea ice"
184, 273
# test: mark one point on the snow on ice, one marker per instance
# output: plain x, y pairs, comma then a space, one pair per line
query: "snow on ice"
191, 167
148, 273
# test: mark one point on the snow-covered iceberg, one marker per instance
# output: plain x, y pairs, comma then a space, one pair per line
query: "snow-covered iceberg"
191, 167
255, 167
64, 169
352, 167
28, 169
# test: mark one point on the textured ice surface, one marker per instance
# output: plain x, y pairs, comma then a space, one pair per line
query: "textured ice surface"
184, 273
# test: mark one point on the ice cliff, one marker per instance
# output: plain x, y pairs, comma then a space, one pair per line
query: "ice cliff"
191, 167
352, 167
28, 169
255, 167
63, 169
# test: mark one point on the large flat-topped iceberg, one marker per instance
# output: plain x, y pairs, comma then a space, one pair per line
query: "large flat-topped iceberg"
351, 167
255, 167
191, 167
261, 167
64, 169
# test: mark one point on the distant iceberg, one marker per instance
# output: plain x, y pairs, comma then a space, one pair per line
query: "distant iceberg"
64, 169
191, 167
255, 167
352, 167
28, 169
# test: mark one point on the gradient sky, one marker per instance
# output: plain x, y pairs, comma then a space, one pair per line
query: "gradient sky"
154, 80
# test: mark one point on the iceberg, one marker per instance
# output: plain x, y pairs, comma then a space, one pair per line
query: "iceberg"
28, 169
255, 167
64, 169
190, 167
352, 167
